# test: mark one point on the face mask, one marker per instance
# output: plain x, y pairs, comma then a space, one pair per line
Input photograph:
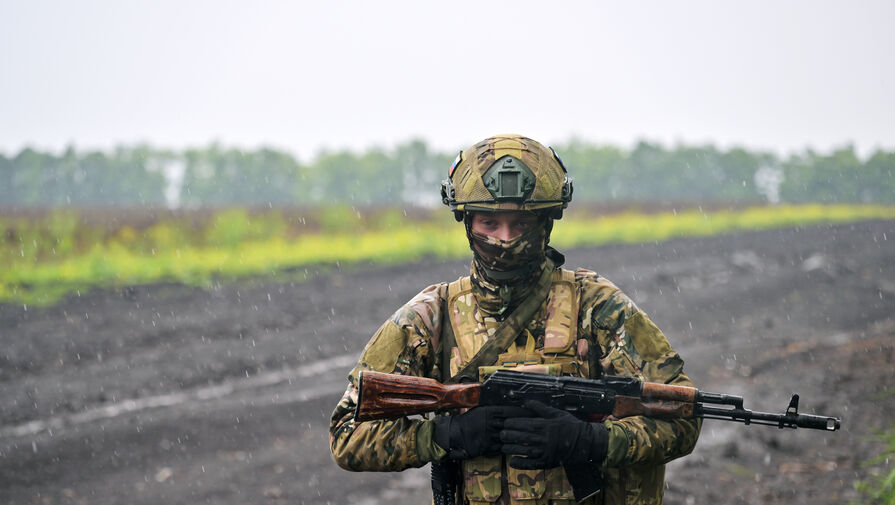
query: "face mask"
509, 260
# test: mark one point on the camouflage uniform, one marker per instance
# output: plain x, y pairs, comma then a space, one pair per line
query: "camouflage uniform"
610, 335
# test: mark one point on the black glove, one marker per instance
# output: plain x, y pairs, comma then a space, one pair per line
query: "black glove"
474, 433
552, 437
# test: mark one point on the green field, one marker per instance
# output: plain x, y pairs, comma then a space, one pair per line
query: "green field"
50, 255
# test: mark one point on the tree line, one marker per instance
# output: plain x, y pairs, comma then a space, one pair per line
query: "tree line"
409, 175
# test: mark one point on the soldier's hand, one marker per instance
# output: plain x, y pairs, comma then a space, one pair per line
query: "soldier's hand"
551, 437
474, 433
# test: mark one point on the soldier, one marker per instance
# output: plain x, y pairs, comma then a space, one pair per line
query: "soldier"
508, 190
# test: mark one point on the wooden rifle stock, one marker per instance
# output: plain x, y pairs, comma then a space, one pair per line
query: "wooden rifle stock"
385, 396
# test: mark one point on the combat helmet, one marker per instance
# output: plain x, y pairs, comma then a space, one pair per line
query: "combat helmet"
507, 173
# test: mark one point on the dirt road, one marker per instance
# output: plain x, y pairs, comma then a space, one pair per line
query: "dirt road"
179, 395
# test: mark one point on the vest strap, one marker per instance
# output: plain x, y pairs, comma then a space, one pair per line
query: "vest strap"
448, 340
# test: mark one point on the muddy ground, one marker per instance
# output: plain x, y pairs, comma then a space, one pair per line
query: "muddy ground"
180, 395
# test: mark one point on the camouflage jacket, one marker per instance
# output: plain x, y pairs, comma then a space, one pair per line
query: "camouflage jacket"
629, 345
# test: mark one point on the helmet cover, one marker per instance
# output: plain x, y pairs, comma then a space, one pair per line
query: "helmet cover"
507, 173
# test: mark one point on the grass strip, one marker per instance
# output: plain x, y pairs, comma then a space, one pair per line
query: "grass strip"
41, 279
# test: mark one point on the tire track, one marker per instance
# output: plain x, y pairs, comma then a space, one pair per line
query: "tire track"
319, 370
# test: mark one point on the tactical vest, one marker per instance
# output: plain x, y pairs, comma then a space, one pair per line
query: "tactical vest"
562, 354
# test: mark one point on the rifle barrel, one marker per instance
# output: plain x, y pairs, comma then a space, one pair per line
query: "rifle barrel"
788, 420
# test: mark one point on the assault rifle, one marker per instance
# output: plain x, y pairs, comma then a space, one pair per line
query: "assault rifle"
386, 396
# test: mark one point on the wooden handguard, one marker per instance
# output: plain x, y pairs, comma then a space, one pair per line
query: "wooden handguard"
658, 400
656, 391
627, 406
387, 396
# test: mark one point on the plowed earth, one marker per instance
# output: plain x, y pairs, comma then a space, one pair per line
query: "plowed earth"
179, 395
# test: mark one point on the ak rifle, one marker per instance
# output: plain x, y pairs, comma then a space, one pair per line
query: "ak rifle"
386, 396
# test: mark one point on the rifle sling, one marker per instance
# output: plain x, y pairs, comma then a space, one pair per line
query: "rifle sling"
506, 331
447, 340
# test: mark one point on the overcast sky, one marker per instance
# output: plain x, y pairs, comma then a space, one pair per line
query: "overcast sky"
303, 76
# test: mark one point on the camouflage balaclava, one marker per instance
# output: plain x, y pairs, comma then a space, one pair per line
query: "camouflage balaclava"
505, 271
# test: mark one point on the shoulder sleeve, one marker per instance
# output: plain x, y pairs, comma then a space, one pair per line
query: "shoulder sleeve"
632, 345
405, 344
603, 306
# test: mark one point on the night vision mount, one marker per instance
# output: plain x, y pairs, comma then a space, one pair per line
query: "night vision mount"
509, 179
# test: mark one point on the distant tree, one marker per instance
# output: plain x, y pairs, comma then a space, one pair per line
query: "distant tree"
878, 179
6, 189
421, 173
32, 176
812, 177
598, 171
410, 174
37, 179
342, 177
220, 177
126, 177
739, 167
